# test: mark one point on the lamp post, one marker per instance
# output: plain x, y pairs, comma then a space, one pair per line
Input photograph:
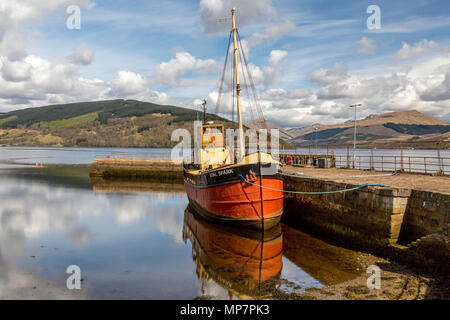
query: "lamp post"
354, 133
315, 138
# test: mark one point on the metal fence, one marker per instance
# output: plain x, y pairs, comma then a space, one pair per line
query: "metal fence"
414, 164
427, 165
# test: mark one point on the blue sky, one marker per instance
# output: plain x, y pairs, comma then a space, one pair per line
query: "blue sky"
309, 59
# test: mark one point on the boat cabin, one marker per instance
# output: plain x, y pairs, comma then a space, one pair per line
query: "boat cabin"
214, 152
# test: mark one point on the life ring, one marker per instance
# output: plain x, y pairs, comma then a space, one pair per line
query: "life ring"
288, 160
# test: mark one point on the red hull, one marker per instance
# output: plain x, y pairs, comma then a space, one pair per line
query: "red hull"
239, 202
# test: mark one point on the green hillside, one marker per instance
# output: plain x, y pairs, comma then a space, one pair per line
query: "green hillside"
417, 129
105, 110
323, 134
113, 123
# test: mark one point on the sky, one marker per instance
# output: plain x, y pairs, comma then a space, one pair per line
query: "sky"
309, 59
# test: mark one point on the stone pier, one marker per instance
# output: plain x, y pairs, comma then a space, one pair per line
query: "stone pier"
157, 170
387, 220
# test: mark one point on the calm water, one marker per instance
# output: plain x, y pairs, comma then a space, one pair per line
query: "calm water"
30, 155
138, 241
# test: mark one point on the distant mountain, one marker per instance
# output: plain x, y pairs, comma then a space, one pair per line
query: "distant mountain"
266, 124
384, 130
132, 123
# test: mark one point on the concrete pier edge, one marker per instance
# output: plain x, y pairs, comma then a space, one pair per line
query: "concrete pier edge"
406, 225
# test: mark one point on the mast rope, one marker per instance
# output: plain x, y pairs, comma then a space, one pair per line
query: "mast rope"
318, 192
233, 95
252, 84
219, 98
250, 107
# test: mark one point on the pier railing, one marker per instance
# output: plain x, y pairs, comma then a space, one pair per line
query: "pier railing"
413, 164
418, 164
303, 160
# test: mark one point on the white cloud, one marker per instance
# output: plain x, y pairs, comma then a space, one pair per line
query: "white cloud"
366, 46
246, 12
14, 13
439, 92
15, 70
326, 76
127, 83
272, 73
276, 56
5, 23
271, 33
424, 87
82, 55
31, 11
419, 49
413, 24
13, 46
170, 72
36, 81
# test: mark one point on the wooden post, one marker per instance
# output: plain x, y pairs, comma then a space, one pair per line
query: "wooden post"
441, 165
310, 159
382, 163
348, 157
395, 163
333, 161
372, 166
425, 164
401, 157
409, 162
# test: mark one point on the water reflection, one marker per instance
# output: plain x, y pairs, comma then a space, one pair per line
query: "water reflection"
137, 241
241, 261
128, 245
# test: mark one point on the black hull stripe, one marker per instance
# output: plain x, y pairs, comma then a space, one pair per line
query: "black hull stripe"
225, 175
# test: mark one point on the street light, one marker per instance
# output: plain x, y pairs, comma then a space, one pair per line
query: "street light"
354, 133
315, 137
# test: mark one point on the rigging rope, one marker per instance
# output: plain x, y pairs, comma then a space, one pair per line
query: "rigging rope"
252, 84
223, 75
250, 107
322, 192
233, 80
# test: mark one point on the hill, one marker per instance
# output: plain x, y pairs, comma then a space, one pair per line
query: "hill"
266, 124
385, 130
109, 123
132, 123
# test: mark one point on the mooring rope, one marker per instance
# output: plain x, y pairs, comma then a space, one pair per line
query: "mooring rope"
339, 177
318, 192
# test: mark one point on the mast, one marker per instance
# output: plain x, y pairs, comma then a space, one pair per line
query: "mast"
238, 88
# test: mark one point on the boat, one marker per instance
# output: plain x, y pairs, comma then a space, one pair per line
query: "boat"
246, 263
228, 185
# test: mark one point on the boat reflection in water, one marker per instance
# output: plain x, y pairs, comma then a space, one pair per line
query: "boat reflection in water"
247, 263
